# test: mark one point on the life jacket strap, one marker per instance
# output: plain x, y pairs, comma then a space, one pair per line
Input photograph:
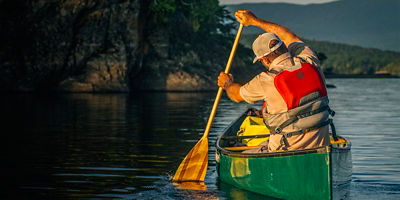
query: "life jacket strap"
334, 132
244, 137
286, 135
293, 119
272, 71
331, 112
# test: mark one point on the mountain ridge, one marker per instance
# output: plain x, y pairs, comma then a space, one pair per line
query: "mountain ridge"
366, 23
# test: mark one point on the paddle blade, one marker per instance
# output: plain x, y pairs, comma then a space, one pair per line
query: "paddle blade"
194, 166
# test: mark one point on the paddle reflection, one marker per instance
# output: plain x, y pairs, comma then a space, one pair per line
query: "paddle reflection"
190, 185
239, 167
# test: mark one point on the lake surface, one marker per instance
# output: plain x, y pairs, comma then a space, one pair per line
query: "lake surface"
128, 145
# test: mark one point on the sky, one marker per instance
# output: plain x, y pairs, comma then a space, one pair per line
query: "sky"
223, 2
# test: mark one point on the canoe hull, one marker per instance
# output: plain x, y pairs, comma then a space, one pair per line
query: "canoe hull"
302, 174
286, 177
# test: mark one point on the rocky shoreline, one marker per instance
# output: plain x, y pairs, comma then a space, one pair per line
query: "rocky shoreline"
328, 76
110, 46
99, 46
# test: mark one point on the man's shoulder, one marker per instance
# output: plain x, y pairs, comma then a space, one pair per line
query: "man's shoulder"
296, 47
262, 80
266, 76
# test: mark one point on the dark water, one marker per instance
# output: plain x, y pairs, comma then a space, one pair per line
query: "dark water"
127, 146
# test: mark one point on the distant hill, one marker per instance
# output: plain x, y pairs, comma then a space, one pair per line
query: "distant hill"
348, 59
368, 23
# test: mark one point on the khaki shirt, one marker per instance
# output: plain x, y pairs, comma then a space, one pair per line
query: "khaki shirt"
262, 87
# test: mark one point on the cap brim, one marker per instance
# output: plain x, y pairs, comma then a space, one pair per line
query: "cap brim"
255, 60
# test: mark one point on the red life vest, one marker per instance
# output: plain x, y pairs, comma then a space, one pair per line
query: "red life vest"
305, 95
294, 85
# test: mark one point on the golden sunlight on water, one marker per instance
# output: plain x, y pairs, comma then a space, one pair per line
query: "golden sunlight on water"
128, 146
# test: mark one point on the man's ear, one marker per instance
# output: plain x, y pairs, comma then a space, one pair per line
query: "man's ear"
265, 61
268, 60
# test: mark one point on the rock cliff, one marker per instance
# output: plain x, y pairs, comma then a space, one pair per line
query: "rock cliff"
108, 46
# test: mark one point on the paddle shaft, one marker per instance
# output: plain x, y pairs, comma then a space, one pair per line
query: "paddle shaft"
220, 89
194, 166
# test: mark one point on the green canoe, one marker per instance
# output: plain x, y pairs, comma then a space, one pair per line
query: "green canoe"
320, 173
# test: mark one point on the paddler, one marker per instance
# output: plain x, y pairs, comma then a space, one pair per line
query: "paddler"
295, 108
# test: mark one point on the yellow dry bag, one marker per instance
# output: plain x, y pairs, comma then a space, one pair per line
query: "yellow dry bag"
253, 126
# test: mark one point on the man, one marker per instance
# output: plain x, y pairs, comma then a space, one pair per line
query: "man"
295, 105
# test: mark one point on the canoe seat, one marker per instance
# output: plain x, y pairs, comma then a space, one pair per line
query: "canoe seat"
341, 142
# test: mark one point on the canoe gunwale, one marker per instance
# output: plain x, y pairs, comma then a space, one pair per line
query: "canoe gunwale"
320, 150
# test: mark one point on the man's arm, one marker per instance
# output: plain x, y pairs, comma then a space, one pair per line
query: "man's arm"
232, 89
249, 19
233, 92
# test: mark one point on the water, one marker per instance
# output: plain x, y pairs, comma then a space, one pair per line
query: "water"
93, 146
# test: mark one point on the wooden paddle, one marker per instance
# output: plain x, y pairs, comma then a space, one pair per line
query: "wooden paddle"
194, 166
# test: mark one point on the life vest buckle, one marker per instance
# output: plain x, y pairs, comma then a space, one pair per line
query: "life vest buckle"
290, 134
331, 112
278, 130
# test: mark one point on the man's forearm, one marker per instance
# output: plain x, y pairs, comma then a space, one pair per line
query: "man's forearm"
247, 18
233, 92
286, 35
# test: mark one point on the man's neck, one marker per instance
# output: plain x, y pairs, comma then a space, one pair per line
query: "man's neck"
278, 61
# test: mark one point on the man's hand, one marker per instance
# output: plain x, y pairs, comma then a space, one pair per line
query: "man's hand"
245, 17
225, 80
232, 89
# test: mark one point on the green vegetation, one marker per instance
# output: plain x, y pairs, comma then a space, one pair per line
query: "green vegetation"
126, 45
200, 23
349, 59
203, 32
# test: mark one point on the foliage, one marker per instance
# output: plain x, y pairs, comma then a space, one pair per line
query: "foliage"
349, 59
192, 24
161, 10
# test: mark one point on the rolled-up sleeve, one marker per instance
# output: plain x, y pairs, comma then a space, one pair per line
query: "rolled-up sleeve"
253, 91
301, 50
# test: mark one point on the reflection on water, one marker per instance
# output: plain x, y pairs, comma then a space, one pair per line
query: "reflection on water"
239, 167
190, 185
84, 145
128, 146
368, 113
235, 193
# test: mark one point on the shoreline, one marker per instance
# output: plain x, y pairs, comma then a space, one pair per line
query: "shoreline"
328, 76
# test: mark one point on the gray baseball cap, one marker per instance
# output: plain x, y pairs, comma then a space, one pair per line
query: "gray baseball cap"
261, 45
